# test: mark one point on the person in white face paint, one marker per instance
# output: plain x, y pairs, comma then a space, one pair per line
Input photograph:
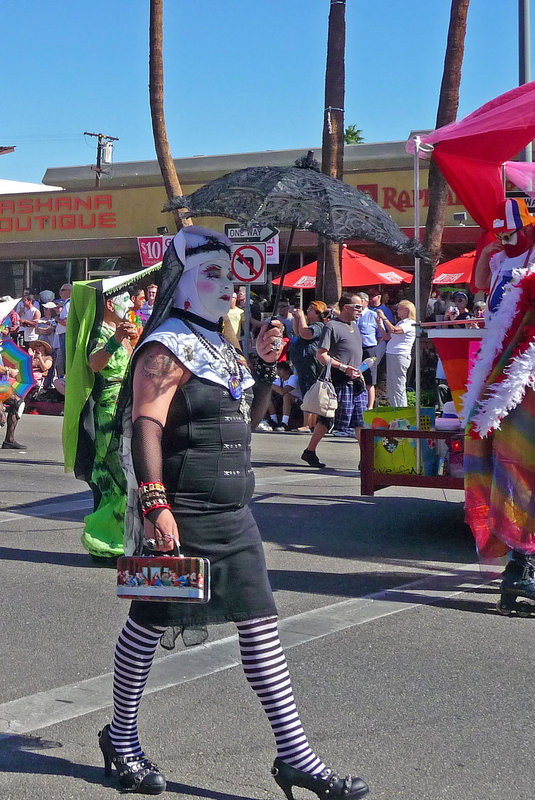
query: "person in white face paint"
188, 413
109, 356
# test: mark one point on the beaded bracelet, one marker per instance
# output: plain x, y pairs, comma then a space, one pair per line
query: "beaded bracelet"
152, 505
263, 372
149, 486
152, 496
112, 345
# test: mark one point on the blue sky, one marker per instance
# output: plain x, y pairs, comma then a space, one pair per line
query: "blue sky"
240, 75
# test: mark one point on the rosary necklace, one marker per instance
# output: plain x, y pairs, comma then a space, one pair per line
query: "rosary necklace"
227, 357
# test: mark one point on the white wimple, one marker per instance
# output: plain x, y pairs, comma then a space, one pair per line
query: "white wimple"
504, 396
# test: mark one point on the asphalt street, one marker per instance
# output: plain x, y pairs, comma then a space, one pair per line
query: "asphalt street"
403, 671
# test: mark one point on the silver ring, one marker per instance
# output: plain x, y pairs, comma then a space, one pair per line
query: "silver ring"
151, 544
277, 342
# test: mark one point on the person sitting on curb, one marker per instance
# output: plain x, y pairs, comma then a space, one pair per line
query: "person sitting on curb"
285, 392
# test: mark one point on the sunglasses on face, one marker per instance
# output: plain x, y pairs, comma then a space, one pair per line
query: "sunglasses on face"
355, 306
508, 238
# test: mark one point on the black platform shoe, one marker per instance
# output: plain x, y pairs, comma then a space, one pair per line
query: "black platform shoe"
326, 784
142, 775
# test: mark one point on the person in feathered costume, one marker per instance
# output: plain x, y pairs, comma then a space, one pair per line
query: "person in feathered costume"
499, 408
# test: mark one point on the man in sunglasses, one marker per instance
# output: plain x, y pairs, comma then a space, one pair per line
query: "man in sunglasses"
513, 248
341, 346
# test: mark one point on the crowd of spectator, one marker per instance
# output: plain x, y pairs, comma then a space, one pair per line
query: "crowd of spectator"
362, 327
38, 324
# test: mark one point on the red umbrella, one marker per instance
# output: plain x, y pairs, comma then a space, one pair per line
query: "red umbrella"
357, 270
458, 270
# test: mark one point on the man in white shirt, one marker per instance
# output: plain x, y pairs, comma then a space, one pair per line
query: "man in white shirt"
29, 317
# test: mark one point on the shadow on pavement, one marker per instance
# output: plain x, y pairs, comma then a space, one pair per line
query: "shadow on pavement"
356, 584
17, 757
56, 508
30, 461
408, 529
49, 557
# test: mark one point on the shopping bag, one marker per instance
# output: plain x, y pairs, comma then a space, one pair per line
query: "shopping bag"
321, 397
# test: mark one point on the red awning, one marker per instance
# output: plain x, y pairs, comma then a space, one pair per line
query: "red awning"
357, 270
458, 270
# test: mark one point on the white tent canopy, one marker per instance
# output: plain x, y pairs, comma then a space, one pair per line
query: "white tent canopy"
22, 187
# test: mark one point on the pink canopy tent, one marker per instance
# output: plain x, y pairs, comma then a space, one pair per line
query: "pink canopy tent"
470, 153
522, 174
357, 270
458, 270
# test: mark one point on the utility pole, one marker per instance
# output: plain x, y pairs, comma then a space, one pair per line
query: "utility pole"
524, 58
102, 140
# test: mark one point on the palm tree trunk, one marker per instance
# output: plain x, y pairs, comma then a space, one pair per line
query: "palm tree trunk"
447, 112
329, 283
161, 143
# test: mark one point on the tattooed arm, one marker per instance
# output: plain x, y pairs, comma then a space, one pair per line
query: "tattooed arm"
157, 376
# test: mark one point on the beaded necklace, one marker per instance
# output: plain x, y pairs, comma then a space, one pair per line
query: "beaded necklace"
226, 356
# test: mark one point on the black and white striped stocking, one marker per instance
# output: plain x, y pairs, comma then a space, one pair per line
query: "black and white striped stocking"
134, 654
265, 668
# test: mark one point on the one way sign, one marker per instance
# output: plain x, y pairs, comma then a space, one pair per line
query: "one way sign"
242, 234
255, 234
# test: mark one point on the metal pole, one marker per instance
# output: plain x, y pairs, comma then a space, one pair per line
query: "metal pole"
417, 141
99, 160
524, 58
247, 321
417, 360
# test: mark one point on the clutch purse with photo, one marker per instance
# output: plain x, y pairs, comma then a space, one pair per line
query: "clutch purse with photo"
161, 577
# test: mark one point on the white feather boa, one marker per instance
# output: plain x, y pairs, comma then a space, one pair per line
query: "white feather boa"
504, 396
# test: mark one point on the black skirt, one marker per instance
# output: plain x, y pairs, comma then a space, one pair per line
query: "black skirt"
240, 587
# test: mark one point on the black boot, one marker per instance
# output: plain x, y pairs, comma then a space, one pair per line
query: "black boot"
326, 784
135, 774
518, 580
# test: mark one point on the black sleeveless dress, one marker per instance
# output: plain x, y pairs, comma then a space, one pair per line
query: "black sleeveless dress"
206, 449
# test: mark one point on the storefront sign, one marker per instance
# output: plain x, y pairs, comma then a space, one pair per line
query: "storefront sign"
152, 248
56, 212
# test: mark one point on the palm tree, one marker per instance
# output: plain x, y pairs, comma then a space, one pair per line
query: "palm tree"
161, 143
353, 135
329, 281
448, 105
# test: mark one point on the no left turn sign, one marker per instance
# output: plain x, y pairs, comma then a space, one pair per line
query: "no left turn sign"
249, 263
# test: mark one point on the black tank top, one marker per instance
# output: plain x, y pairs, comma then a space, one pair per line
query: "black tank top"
206, 448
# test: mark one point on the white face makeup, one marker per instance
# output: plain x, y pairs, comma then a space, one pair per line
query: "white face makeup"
206, 287
122, 305
215, 287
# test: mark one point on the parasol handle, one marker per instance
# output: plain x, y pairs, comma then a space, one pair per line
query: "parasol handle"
284, 270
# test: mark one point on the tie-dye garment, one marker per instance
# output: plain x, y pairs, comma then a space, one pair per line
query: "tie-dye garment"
500, 484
